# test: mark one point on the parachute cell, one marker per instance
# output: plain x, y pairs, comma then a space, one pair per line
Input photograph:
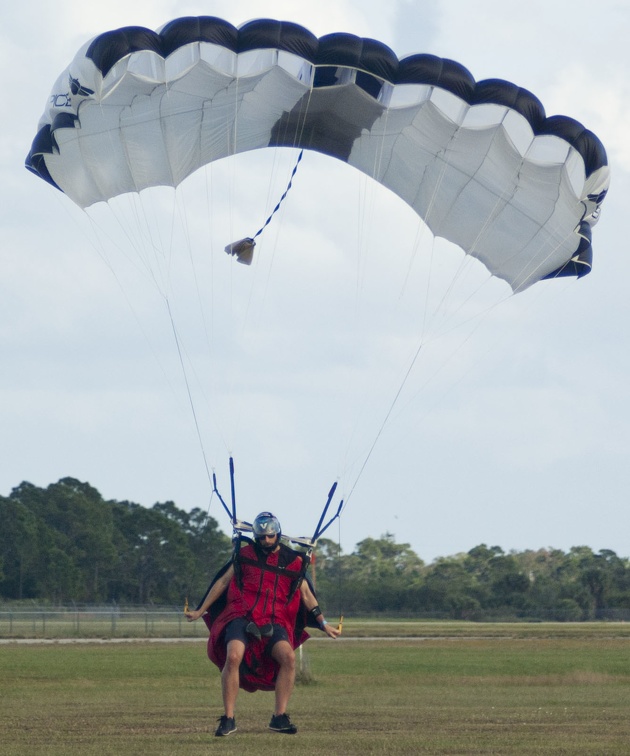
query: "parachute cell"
480, 162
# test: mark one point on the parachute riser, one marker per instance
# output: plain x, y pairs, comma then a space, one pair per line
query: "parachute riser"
243, 528
244, 531
221, 499
319, 529
232, 489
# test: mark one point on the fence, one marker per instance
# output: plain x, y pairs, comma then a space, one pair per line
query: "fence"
150, 622
99, 623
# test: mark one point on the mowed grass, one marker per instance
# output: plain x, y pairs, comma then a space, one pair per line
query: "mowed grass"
171, 624
434, 696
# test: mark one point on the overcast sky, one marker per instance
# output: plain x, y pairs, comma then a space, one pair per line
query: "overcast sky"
512, 430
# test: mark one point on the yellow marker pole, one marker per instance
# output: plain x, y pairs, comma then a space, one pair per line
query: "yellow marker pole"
340, 625
186, 605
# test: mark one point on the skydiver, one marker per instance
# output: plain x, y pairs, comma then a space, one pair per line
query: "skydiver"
255, 626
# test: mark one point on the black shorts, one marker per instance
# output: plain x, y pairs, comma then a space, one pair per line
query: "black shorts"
235, 630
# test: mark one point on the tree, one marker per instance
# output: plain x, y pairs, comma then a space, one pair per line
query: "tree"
500, 581
78, 511
449, 588
64, 543
380, 572
18, 549
154, 557
210, 550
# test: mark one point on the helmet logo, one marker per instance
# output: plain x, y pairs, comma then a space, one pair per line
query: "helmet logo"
266, 524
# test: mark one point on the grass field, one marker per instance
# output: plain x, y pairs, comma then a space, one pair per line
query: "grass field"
542, 693
86, 623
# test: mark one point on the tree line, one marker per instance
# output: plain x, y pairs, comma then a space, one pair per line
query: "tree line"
65, 544
483, 584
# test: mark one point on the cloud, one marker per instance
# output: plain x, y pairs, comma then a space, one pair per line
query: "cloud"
524, 422
601, 100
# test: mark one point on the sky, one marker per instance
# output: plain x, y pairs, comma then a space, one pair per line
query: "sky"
511, 430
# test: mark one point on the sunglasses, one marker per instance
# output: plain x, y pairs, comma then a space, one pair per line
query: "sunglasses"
267, 535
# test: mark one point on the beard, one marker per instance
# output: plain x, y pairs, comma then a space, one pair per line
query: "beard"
267, 548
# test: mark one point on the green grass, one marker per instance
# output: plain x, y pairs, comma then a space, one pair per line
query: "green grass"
18, 623
547, 695
405, 628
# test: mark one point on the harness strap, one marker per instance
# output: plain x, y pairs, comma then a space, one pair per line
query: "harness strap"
298, 575
270, 567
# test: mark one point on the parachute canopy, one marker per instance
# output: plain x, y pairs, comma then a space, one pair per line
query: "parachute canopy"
480, 162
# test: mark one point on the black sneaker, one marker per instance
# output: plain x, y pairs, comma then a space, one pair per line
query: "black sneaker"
282, 723
227, 725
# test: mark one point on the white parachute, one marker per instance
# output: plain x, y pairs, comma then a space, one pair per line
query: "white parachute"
480, 162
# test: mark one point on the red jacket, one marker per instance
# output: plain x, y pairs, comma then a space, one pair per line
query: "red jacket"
265, 589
